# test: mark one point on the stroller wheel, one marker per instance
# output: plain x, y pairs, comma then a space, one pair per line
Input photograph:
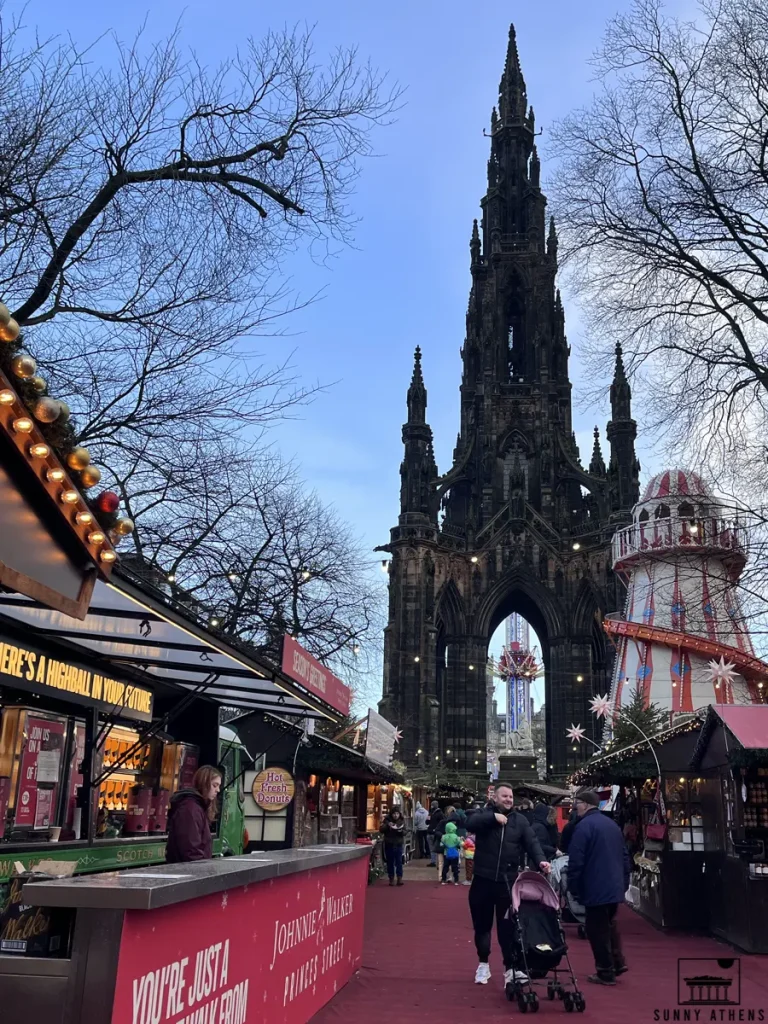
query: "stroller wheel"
550, 990
580, 1001
533, 1002
568, 1002
522, 1003
582, 932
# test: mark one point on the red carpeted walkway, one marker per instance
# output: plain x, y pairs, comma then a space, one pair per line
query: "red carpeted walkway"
419, 963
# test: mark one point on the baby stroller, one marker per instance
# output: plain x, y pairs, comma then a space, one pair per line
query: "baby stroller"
573, 912
535, 912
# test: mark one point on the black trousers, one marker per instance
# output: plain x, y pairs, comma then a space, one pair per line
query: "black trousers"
454, 867
487, 898
603, 935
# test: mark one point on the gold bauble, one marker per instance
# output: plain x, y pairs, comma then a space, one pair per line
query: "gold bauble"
9, 331
78, 458
38, 385
23, 366
90, 476
64, 414
5, 313
124, 526
46, 410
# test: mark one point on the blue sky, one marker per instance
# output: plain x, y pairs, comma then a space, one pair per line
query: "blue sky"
406, 282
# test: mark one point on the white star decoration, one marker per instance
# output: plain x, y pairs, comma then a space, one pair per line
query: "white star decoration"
722, 671
600, 706
398, 735
575, 733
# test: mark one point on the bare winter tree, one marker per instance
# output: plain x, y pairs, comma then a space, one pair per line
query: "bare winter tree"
662, 200
147, 206
259, 557
145, 212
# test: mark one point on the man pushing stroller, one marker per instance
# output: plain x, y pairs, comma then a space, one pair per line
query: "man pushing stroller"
503, 840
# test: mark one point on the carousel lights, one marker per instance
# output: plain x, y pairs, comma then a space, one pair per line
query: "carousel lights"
84, 518
39, 451
55, 476
7, 397
69, 497
96, 537
108, 556
23, 425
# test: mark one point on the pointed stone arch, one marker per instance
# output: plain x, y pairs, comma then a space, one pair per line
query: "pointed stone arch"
450, 616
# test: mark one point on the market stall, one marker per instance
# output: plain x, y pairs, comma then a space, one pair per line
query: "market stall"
664, 827
731, 756
176, 942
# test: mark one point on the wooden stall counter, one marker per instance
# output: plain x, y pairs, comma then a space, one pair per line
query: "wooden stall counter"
266, 937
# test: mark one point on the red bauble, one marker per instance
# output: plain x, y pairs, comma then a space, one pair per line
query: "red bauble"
108, 501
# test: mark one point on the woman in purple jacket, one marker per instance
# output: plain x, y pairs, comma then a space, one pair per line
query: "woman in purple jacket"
190, 816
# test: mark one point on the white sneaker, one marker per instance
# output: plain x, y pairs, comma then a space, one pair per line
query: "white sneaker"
511, 976
482, 974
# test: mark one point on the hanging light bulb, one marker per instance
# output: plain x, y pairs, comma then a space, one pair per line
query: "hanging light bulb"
96, 537
84, 518
108, 556
39, 451
55, 476
23, 425
70, 496
7, 397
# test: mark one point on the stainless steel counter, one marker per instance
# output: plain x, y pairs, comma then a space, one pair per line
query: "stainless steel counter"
162, 885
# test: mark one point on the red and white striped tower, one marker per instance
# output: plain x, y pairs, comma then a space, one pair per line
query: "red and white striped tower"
683, 639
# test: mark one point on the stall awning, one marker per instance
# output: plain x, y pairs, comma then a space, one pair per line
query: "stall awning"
748, 725
132, 629
748, 728
542, 789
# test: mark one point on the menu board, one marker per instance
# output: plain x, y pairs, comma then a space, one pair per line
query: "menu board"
36, 799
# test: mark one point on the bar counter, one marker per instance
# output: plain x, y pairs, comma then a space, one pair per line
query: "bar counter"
266, 937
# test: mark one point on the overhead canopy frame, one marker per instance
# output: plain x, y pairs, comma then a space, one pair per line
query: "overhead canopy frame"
137, 632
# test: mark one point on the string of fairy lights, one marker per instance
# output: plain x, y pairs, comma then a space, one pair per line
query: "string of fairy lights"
41, 426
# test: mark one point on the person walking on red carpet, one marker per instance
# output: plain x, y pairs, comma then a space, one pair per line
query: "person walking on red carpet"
503, 839
393, 830
598, 878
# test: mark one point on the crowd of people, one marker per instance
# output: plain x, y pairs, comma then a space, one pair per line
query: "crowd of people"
497, 841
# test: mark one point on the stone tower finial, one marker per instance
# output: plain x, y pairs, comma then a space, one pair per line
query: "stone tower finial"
417, 393
597, 465
513, 103
621, 393
474, 244
552, 240
535, 171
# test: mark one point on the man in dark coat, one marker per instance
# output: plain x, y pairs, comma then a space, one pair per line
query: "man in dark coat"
503, 839
598, 878
544, 832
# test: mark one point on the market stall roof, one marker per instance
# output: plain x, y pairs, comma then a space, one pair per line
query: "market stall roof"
637, 760
135, 629
746, 726
544, 790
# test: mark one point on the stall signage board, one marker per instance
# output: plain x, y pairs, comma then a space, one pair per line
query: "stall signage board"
274, 951
43, 746
380, 739
28, 669
300, 666
273, 789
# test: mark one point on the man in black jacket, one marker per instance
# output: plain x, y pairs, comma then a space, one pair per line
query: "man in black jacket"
503, 839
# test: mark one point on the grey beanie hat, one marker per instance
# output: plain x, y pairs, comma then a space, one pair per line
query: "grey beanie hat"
588, 796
